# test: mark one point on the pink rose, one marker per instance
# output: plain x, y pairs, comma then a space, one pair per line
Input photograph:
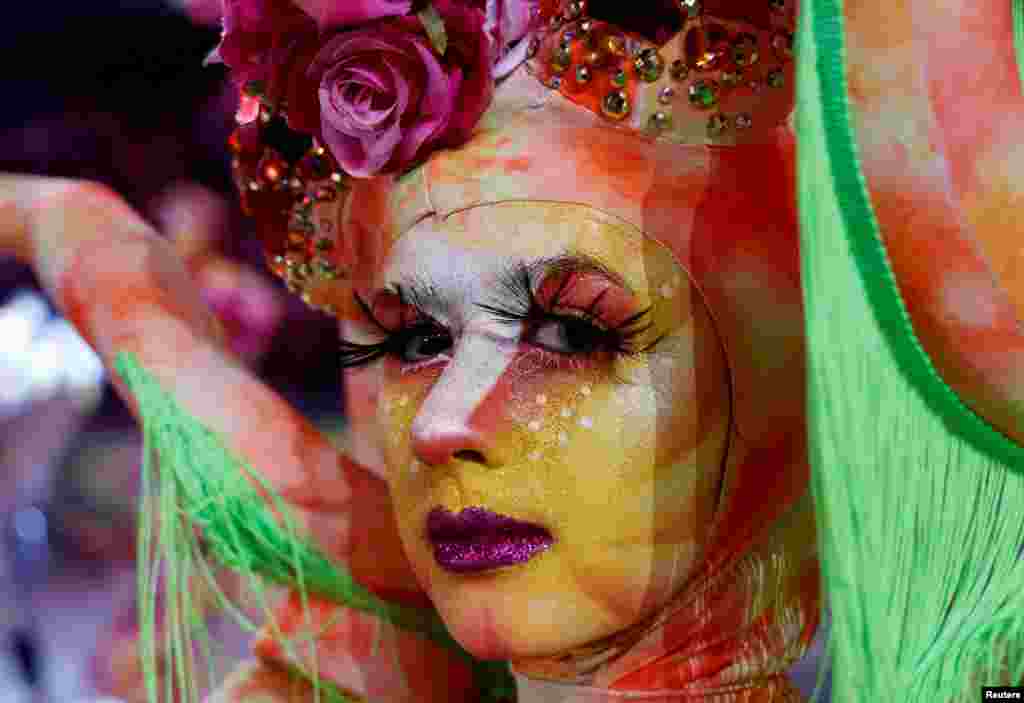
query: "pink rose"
260, 36
387, 98
335, 14
510, 20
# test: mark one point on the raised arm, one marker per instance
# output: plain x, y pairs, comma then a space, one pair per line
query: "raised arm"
124, 288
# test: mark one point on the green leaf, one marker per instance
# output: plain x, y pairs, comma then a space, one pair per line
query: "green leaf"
434, 25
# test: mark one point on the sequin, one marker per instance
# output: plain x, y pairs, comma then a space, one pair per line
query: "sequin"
614, 44
619, 78
704, 94
583, 74
586, 422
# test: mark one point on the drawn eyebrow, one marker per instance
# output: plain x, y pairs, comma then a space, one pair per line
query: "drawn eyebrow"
517, 280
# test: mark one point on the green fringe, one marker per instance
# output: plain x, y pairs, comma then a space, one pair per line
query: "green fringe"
201, 487
1018, 37
918, 499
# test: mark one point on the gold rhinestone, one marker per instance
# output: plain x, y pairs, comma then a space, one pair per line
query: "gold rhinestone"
649, 65
782, 43
615, 105
692, 8
614, 44
560, 60
678, 71
717, 125
703, 94
659, 121
744, 50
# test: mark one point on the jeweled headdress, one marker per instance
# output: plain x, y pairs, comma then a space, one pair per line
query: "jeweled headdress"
329, 95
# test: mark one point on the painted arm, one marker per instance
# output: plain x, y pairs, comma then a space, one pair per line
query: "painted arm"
125, 290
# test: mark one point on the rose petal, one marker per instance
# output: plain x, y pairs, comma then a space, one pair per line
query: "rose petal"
332, 14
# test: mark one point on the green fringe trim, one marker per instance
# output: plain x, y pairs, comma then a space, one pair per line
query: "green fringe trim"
201, 486
917, 498
1018, 37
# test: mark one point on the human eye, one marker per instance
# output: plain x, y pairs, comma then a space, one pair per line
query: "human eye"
573, 335
415, 339
422, 343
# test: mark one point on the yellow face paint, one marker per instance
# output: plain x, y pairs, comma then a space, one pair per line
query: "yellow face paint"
617, 456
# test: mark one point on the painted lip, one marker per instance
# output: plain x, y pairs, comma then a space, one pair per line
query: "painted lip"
478, 540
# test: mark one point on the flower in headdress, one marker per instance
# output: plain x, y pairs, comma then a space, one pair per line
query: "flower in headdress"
334, 14
259, 36
387, 96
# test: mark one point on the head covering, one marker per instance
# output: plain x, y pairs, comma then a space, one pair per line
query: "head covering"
751, 607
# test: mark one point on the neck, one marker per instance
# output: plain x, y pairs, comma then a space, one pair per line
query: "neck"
775, 690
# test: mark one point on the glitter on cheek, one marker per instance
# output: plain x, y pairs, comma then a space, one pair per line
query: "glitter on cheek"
533, 425
586, 422
541, 399
586, 389
563, 438
566, 412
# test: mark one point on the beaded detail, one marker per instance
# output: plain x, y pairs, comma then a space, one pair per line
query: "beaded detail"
294, 189
718, 80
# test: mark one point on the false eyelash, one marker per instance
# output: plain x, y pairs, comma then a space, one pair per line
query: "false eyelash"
355, 354
520, 305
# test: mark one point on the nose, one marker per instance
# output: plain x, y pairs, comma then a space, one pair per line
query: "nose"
463, 413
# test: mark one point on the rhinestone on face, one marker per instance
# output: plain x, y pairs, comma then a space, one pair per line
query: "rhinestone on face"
666, 94
744, 50
717, 125
659, 121
704, 94
692, 8
649, 65
678, 71
583, 74
744, 121
776, 79
615, 105
619, 78
782, 43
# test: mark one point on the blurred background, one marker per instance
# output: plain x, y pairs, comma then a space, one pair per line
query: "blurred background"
117, 92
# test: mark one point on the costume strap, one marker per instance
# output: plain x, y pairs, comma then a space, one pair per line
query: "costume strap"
917, 496
247, 527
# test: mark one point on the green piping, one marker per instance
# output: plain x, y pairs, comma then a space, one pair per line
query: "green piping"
863, 233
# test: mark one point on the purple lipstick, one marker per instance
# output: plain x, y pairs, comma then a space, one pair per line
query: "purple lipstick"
478, 540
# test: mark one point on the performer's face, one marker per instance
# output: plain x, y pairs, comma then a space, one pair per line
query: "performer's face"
606, 451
